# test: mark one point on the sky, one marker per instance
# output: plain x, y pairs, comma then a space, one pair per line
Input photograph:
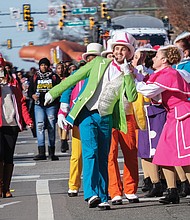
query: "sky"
20, 38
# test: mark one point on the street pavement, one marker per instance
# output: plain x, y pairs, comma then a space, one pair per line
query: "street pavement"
40, 192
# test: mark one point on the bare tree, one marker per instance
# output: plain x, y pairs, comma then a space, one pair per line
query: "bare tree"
178, 14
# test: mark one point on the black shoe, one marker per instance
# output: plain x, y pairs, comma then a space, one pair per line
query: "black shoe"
104, 206
156, 190
117, 200
185, 189
72, 193
94, 201
171, 197
64, 146
147, 184
41, 155
132, 198
52, 156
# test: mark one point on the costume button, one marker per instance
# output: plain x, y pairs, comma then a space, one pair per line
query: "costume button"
86, 98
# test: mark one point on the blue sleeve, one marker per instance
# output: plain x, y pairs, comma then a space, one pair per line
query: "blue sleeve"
65, 97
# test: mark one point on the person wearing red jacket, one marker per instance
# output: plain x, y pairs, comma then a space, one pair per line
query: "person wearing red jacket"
12, 112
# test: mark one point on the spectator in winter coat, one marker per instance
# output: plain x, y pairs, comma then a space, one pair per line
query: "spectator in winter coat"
13, 111
45, 116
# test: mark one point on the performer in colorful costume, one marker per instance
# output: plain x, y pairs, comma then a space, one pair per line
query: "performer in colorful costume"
168, 86
107, 85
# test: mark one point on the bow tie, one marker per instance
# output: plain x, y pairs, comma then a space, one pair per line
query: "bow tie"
116, 65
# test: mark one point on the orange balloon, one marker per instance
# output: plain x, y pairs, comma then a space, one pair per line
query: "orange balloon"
70, 51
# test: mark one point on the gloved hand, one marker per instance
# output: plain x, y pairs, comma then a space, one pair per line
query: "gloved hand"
62, 121
64, 107
125, 68
141, 69
48, 99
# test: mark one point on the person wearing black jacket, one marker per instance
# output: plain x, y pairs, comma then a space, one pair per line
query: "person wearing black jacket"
45, 116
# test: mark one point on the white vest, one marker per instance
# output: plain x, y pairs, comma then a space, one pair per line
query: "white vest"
107, 92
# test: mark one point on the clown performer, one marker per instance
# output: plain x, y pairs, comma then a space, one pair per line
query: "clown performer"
127, 141
108, 83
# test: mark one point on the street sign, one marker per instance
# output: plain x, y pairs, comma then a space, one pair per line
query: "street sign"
20, 26
15, 13
52, 12
76, 23
42, 25
85, 10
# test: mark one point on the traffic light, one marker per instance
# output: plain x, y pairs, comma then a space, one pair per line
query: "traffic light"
108, 21
64, 11
104, 10
61, 23
26, 12
165, 20
30, 25
86, 42
9, 43
91, 22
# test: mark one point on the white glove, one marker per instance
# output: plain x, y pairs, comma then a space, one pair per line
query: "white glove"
141, 70
64, 107
61, 121
48, 99
125, 68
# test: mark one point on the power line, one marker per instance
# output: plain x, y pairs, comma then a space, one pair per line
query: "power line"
8, 26
108, 9
13, 26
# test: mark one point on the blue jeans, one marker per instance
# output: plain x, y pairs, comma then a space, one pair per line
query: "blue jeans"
95, 134
45, 117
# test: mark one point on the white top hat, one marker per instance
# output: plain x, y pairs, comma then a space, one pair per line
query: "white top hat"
108, 49
92, 49
126, 39
146, 48
182, 36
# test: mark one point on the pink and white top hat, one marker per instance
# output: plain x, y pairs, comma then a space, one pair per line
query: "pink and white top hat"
126, 39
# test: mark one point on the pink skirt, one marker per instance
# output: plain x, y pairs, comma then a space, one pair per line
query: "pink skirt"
174, 144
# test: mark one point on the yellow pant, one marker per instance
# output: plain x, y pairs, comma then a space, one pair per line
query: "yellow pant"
75, 161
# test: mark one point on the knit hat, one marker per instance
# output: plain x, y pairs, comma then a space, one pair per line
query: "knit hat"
126, 39
92, 49
44, 61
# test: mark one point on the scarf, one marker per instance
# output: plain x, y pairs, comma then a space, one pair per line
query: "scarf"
43, 75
